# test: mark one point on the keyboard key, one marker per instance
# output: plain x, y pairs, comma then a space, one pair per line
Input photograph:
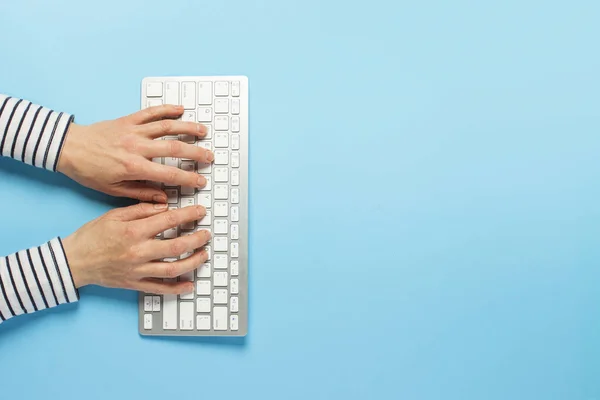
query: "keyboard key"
235, 214
221, 157
220, 261
172, 162
235, 159
205, 93
154, 102
220, 278
208, 132
235, 196
221, 226
235, 231
187, 277
203, 288
172, 93
221, 140
234, 306
220, 318
147, 303
204, 144
170, 233
203, 271
221, 88
235, 286
235, 250
235, 177
186, 315
221, 123
221, 174
188, 116
208, 252
154, 89
235, 268
220, 209
188, 95
235, 142
221, 192
234, 323
235, 88
204, 168
204, 200
235, 124
203, 304
220, 296
207, 220
220, 243
235, 106
204, 114
208, 185
203, 322
147, 321
169, 310
155, 303
221, 106
187, 202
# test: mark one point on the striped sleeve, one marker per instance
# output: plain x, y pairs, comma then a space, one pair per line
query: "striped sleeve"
31, 133
35, 279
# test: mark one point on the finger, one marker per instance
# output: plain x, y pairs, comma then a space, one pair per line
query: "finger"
170, 127
139, 211
156, 113
177, 149
139, 191
172, 269
156, 287
170, 176
170, 219
155, 250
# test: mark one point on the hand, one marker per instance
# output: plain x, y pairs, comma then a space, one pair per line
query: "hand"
111, 156
119, 249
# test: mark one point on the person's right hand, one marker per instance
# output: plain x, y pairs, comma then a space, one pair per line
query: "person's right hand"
119, 249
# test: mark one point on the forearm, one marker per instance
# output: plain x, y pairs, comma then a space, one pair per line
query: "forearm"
31, 133
35, 279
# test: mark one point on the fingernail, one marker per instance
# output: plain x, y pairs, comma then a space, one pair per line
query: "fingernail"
207, 235
189, 288
201, 211
210, 156
201, 181
160, 206
201, 128
157, 198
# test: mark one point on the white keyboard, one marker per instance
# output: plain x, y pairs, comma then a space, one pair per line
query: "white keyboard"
219, 306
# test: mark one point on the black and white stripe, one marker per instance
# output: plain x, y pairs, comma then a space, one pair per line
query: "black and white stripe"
35, 279
32, 133
39, 277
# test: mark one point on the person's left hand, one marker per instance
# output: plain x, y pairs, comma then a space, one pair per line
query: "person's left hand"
113, 156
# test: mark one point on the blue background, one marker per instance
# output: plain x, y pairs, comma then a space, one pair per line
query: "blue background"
424, 193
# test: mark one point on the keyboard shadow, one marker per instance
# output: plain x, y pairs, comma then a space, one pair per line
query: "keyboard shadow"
239, 342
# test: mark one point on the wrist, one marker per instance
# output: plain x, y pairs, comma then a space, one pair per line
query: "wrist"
66, 163
76, 262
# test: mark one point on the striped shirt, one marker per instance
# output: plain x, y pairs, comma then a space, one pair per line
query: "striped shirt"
39, 277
